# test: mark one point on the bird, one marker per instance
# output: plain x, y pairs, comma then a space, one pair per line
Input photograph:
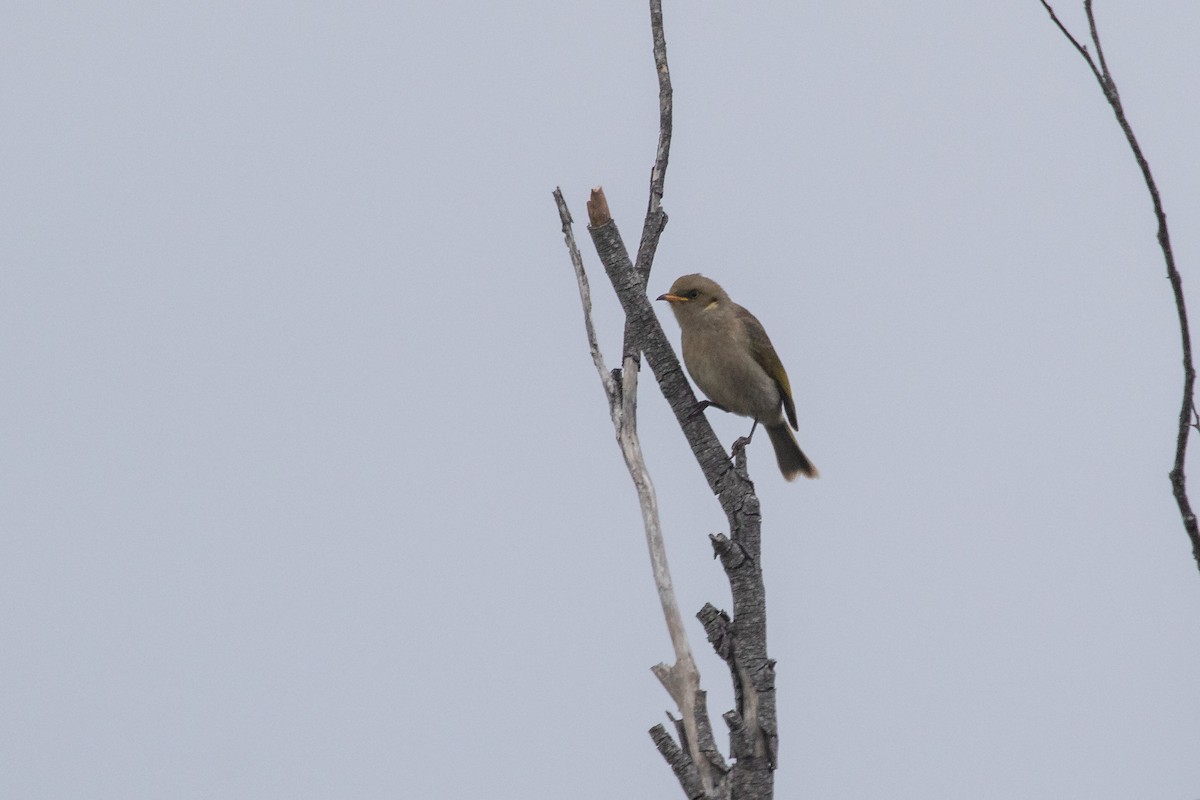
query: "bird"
730, 358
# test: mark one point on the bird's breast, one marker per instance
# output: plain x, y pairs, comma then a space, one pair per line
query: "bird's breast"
725, 371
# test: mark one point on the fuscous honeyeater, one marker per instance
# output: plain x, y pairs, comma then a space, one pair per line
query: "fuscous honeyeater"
730, 358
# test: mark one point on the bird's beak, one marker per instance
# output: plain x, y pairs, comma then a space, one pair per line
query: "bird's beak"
672, 298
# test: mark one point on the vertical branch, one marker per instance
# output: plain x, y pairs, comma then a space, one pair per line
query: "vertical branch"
1187, 412
656, 218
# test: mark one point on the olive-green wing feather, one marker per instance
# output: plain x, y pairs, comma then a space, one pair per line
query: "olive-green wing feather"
764, 354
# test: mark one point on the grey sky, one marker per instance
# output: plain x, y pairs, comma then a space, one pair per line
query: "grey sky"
309, 488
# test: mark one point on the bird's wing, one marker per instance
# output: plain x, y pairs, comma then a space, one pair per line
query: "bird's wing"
764, 354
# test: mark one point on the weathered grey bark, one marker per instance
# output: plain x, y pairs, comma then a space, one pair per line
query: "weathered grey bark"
1188, 418
699, 765
742, 638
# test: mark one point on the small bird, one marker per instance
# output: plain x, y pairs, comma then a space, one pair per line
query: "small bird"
730, 358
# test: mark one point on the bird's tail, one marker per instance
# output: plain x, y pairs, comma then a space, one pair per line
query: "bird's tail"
791, 458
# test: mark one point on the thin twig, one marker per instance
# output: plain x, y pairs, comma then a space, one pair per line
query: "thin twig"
585, 296
1187, 411
1091, 18
1083, 51
656, 218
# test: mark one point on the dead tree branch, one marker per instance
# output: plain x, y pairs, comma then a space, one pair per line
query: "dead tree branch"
742, 642
754, 748
694, 763
656, 218
1187, 412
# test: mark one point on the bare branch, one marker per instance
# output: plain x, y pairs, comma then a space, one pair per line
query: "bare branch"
656, 218
1083, 51
698, 764
681, 679
1091, 18
754, 752
1187, 411
585, 297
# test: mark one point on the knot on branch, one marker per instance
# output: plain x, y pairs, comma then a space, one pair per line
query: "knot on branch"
763, 678
720, 544
745, 749
741, 739
733, 556
730, 486
764, 682
718, 628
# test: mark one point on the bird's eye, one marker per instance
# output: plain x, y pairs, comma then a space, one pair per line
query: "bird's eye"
693, 294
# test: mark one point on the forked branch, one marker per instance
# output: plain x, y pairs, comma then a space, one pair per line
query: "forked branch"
692, 752
698, 764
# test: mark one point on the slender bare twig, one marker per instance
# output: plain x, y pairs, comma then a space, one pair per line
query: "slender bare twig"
656, 218
1083, 51
1187, 412
611, 389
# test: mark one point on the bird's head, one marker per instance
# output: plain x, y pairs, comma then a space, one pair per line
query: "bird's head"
694, 295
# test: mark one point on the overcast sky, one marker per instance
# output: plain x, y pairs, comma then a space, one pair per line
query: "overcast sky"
308, 484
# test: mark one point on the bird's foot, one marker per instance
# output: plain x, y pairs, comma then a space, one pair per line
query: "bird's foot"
738, 451
700, 408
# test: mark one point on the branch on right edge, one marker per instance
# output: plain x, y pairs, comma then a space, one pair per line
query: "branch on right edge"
1187, 412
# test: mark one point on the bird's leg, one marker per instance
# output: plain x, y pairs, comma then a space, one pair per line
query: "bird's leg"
739, 447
